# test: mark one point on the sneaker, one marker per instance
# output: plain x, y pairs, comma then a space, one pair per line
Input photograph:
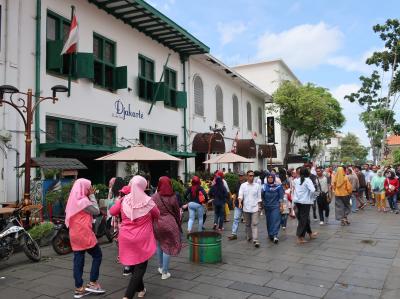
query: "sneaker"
159, 270
214, 227
256, 244
126, 271
165, 276
283, 228
142, 293
276, 240
94, 288
79, 293
249, 239
315, 219
232, 237
321, 223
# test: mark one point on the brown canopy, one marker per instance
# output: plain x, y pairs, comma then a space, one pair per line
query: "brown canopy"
246, 148
202, 142
267, 151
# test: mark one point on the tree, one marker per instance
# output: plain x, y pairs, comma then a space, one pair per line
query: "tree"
396, 157
388, 61
309, 111
351, 151
374, 121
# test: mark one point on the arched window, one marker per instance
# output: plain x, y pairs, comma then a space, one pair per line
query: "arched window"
219, 103
260, 120
198, 96
249, 121
235, 103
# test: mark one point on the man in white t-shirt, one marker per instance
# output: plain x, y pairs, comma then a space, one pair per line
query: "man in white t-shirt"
250, 200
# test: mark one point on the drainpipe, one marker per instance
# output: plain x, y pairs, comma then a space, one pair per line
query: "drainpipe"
183, 60
37, 74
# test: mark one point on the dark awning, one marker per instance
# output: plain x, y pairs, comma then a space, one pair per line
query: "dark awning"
267, 151
203, 142
246, 148
296, 159
143, 17
56, 163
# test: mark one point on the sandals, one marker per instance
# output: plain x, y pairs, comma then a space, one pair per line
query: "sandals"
313, 235
301, 241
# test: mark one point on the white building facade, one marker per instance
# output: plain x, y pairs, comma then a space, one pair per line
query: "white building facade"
268, 75
131, 59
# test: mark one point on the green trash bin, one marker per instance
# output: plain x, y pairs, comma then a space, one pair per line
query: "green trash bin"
205, 247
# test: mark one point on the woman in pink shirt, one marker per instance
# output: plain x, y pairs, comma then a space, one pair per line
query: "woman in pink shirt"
136, 240
81, 207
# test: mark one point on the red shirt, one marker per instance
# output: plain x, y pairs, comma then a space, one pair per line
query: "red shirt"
394, 182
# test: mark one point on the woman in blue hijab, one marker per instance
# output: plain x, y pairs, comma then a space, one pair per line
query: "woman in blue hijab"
272, 195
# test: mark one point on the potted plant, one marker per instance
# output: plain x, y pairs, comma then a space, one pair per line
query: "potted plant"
42, 233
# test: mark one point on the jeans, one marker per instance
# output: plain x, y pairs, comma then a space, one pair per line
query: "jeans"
273, 217
251, 225
354, 202
237, 214
314, 209
193, 208
136, 282
79, 263
284, 218
392, 199
163, 259
303, 217
219, 210
323, 206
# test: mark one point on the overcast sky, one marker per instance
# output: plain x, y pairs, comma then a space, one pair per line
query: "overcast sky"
324, 42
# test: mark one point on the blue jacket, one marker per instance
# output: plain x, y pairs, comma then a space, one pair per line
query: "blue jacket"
272, 195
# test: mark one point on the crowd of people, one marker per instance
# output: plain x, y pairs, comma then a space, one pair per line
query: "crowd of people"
150, 223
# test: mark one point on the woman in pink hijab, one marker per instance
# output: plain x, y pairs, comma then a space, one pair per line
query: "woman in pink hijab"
136, 240
81, 207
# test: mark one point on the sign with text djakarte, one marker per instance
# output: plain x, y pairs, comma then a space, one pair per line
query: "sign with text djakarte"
124, 111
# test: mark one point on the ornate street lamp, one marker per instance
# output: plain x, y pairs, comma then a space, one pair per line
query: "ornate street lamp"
26, 110
214, 131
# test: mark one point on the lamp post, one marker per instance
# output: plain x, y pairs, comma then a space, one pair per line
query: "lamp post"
26, 109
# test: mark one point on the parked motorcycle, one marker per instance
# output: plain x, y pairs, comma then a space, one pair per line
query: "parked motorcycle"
101, 227
13, 235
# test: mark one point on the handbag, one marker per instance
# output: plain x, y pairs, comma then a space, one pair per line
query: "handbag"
202, 198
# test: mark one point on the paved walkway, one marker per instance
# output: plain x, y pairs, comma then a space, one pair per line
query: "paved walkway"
359, 261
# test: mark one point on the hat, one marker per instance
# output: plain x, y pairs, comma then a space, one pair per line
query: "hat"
241, 173
125, 190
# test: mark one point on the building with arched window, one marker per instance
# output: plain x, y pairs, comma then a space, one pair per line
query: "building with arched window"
132, 83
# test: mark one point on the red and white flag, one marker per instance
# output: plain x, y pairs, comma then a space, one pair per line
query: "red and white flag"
73, 37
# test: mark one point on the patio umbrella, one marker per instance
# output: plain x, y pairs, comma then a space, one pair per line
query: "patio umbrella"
139, 153
228, 158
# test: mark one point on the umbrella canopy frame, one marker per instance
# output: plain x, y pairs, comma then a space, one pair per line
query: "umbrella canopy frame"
138, 153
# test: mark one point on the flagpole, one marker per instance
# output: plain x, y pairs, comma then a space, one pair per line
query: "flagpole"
70, 56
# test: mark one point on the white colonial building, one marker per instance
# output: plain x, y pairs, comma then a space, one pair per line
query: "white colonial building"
268, 75
137, 77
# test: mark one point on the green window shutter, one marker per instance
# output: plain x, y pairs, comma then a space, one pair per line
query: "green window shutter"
181, 99
121, 77
161, 93
84, 65
53, 57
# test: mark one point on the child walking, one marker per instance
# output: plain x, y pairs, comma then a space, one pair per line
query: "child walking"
378, 188
81, 207
285, 207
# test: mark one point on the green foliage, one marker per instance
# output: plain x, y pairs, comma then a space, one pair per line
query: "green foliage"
59, 195
178, 187
351, 151
101, 191
41, 230
49, 174
203, 175
309, 111
396, 157
396, 129
232, 180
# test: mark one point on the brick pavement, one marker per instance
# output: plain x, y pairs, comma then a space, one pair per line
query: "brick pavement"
359, 261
